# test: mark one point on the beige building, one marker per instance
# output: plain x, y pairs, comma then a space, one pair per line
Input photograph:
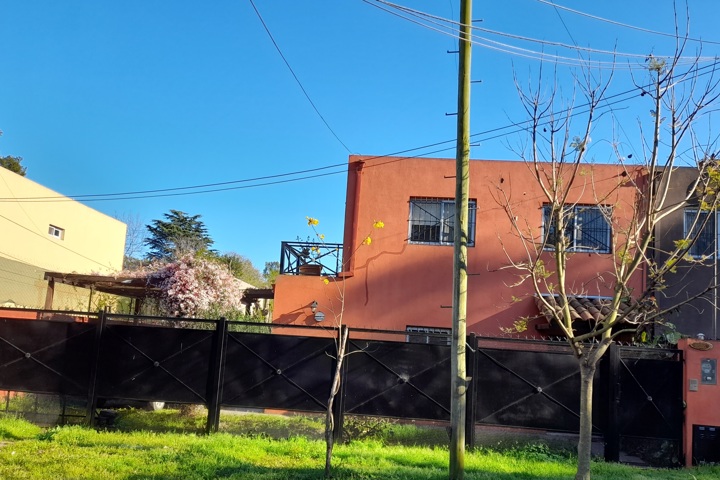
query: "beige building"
42, 230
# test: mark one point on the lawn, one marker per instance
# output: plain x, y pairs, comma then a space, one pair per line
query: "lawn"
272, 447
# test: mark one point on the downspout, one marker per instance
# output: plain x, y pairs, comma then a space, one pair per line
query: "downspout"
351, 232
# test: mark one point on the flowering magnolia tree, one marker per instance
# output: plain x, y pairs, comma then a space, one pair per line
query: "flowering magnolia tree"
193, 287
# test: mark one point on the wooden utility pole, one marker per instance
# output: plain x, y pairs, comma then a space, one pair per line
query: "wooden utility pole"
458, 398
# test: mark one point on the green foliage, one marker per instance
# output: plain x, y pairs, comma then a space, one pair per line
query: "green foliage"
520, 325
76, 452
655, 64
177, 235
271, 271
362, 428
540, 271
13, 164
242, 268
540, 452
167, 420
14, 428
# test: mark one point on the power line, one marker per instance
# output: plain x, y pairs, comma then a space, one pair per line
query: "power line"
277, 47
56, 244
626, 25
449, 27
514, 127
497, 46
172, 189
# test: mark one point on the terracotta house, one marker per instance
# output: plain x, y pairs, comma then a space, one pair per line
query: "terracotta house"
402, 280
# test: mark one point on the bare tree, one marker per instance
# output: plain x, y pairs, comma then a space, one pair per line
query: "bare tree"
336, 307
134, 238
630, 205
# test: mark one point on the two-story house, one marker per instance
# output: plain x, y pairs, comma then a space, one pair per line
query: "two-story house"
42, 230
402, 279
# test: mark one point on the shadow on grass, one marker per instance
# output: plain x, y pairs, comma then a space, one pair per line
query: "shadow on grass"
246, 471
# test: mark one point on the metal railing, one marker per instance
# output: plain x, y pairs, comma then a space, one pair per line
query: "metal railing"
310, 258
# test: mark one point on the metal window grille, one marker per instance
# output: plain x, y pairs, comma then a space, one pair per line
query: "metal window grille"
432, 221
429, 335
586, 228
700, 226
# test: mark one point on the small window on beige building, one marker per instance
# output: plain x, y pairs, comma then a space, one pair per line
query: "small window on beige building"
56, 232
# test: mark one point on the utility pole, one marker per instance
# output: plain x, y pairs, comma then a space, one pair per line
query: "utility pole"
458, 399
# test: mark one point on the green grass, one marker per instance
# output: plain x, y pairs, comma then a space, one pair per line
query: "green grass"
74, 452
12, 428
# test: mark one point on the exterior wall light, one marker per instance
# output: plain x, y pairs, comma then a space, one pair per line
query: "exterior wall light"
313, 306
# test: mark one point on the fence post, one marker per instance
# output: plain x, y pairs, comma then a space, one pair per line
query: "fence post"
339, 403
612, 430
94, 368
216, 376
471, 368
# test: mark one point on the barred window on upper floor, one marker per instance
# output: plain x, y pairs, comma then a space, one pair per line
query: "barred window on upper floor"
700, 226
432, 221
587, 228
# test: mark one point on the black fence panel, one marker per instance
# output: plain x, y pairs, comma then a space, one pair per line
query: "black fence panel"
154, 363
404, 380
650, 388
516, 383
538, 388
45, 356
277, 371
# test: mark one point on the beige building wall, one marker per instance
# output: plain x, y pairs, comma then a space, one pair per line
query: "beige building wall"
81, 240
56, 233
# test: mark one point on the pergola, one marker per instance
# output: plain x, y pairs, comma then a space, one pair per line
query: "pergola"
137, 288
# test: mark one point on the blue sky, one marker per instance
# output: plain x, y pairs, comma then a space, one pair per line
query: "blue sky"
113, 97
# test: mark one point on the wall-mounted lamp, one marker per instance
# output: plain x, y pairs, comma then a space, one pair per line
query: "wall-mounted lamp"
313, 306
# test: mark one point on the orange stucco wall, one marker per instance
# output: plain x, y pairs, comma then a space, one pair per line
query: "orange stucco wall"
703, 405
393, 284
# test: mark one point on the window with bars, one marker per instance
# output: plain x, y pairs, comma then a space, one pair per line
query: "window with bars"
432, 221
586, 228
430, 335
700, 226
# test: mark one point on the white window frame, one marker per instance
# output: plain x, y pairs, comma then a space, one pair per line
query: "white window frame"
426, 334
687, 223
56, 232
577, 231
444, 223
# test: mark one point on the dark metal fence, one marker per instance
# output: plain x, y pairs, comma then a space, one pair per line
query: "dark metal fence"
515, 383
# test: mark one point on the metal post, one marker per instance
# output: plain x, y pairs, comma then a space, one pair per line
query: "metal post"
612, 430
94, 368
471, 358
216, 376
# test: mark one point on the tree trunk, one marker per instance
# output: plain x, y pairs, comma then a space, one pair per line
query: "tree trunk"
334, 389
587, 372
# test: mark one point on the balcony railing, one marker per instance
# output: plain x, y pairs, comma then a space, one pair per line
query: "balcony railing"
311, 258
